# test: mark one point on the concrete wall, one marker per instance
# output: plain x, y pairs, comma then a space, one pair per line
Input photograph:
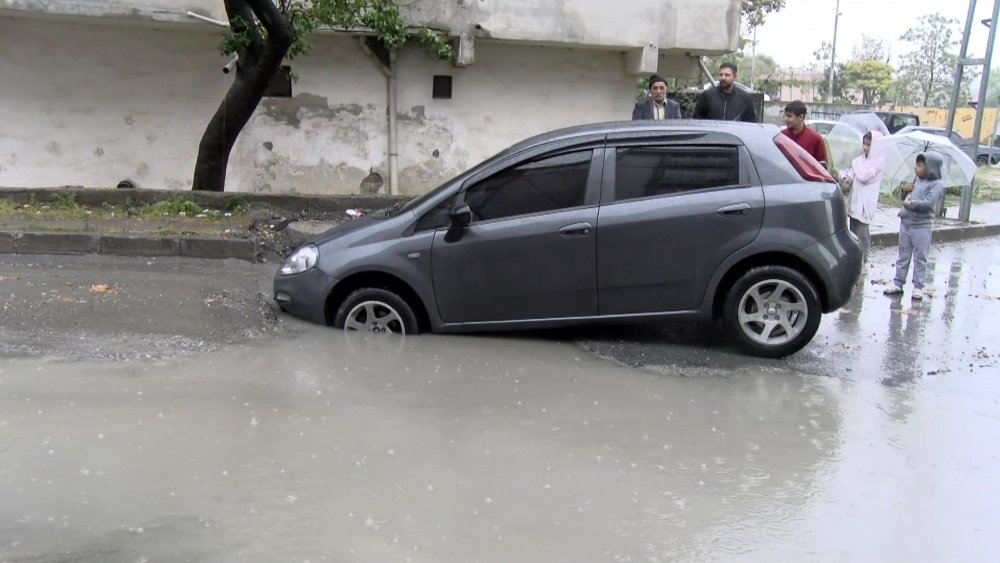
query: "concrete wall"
702, 27
92, 105
105, 103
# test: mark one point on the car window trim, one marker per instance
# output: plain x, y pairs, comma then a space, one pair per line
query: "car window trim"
591, 190
528, 155
608, 196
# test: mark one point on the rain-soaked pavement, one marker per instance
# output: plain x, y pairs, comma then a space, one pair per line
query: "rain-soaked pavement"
879, 442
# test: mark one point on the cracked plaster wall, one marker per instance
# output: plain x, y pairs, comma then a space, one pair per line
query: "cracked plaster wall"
701, 27
106, 103
511, 93
92, 105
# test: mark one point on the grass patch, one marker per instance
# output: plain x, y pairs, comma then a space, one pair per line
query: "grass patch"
65, 201
237, 203
177, 206
65, 206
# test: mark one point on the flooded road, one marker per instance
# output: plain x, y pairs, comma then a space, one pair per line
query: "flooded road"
873, 338
878, 443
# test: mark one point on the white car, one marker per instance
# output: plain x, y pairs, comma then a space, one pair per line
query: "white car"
825, 126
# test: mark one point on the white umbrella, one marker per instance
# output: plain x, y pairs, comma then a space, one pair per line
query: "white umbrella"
863, 122
901, 150
844, 139
844, 145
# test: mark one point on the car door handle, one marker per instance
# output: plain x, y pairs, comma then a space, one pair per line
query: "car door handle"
733, 209
576, 229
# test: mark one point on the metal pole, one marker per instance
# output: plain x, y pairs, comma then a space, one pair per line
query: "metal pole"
753, 63
965, 210
833, 54
996, 124
956, 89
705, 71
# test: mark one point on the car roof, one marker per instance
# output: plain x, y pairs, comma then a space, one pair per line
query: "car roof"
926, 128
738, 129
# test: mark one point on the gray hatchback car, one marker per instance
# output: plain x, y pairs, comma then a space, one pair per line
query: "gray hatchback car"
612, 221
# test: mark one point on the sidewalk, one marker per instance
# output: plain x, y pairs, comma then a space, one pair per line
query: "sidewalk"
80, 221
985, 222
273, 225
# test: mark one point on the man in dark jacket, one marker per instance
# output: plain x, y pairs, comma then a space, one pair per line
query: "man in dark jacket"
657, 106
725, 102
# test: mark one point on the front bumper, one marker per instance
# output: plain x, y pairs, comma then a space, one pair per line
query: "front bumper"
304, 295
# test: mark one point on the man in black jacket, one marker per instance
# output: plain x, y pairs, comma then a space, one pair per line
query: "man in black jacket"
725, 102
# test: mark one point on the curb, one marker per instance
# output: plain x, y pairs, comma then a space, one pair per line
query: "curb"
247, 249
310, 204
951, 234
127, 245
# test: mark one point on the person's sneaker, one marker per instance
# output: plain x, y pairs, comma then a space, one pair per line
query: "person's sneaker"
918, 294
894, 290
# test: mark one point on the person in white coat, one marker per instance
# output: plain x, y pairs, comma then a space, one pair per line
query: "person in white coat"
864, 178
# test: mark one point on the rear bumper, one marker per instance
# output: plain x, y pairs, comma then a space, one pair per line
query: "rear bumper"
303, 295
837, 261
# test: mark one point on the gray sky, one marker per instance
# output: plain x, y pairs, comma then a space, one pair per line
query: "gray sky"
791, 35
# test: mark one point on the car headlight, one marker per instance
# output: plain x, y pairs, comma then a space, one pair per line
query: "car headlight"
300, 260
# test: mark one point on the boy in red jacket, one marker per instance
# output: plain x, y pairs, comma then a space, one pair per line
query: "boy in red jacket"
811, 141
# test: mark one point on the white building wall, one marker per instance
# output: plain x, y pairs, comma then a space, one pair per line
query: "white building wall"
92, 105
512, 92
328, 137
105, 103
698, 26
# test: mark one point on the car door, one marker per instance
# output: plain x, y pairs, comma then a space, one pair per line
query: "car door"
670, 214
530, 251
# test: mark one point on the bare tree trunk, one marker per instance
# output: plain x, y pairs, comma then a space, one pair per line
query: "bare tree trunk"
254, 70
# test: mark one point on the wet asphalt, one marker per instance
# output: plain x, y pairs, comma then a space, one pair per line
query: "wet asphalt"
175, 417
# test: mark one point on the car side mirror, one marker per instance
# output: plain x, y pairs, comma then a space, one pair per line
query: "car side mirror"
460, 217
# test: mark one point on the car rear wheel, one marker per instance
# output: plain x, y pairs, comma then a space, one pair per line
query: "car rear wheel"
983, 160
772, 311
376, 310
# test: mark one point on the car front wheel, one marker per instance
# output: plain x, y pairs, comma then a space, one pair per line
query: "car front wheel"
772, 311
376, 310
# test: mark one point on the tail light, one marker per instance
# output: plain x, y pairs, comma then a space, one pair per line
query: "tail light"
804, 163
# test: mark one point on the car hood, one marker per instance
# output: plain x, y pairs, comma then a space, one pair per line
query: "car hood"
345, 229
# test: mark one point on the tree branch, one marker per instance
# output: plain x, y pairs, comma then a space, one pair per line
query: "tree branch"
237, 10
278, 29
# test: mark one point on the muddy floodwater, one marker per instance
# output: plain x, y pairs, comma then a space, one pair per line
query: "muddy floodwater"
326, 447
175, 417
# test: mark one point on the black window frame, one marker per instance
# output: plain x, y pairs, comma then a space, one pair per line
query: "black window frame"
591, 184
746, 175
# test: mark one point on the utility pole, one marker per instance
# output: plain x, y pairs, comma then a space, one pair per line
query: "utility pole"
753, 62
965, 209
833, 54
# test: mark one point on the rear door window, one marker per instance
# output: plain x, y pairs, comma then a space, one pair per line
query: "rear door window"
658, 171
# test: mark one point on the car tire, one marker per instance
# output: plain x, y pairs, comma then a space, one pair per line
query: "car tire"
772, 311
983, 160
376, 310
